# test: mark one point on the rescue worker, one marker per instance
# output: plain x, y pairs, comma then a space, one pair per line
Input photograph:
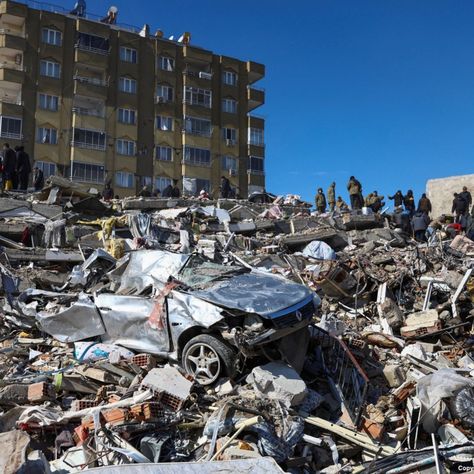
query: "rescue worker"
108, 193
320, 201
167, 192
225, 187
424, 204
397, 199
377, 202
331, 193
145, 192
38, 179
355, 193
175, 192
409, 202
23, 168
420, 222
9, 167
341, 205
459, 208
466, 195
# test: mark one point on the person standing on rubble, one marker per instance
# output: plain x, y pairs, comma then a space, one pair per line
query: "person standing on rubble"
409, 202
23, 168
9, 167
320, 201
376, 202
175, 192
355, 193
145, 192
331, 193
466, 195
38, 179
459, 209
424, 204
167, 191
225, 187
420, 222
108, 192
397, 199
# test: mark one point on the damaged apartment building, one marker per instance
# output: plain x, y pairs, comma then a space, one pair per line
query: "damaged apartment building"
98, 101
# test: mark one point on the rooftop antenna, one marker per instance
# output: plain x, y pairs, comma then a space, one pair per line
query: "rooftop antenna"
111, 17
185, 38
171, 38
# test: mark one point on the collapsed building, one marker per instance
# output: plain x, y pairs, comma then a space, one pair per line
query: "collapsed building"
234, 334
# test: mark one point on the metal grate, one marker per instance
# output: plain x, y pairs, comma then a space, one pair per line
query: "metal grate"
290, 319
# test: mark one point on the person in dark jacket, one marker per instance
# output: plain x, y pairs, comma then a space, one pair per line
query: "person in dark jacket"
459, 208
320, 201
175, 192
38, 179
23, 167
108, 193
225, 187
167, 191
424, 204
145, 192
409, 202
466, 195
9, 166
397, 198
420, 222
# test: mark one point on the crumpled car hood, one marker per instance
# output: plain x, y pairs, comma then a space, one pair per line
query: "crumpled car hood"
255, 292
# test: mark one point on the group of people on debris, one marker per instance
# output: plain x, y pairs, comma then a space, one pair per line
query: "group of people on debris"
407, 214
15, 169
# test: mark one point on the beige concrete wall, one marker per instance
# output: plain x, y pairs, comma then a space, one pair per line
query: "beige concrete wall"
440, 191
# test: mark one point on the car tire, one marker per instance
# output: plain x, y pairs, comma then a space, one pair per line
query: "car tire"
207, 358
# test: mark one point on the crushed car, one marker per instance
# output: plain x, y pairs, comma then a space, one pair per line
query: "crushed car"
210, 317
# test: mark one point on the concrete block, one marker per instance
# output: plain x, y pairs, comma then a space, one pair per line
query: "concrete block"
394, 375
279, 382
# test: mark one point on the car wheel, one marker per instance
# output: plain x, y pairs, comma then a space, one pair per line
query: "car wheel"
207, 358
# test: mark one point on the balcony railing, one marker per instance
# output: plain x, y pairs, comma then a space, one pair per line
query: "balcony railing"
91, 80
10, 100
8, 31
162, 100
206, 164
91, 49
198, 104
254, 143
86, 111
256, 172
14, 66
12, 136
88, 146
199, 133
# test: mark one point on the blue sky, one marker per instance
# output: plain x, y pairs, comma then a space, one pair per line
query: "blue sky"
383, 90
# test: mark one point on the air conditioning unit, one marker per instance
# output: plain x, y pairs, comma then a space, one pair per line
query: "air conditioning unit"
205, 75
160, 99
232, 172
230, 142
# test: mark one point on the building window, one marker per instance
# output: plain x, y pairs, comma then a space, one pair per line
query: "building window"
197, 126
95, 44
164, 153
48, 169
10, 127
229, 163
48, 102
125, 147
197, 156
127, 116
256, 164
124, 179
229, 78
128, 55
86, 172
196, 96
90, 139
47, 135
164, 123
256, 137
166, 63
162, 183
50, 36
229, 106
128, 85
164, 93
229, 135
50, 69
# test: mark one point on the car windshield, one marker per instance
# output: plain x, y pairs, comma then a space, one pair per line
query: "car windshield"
199, 273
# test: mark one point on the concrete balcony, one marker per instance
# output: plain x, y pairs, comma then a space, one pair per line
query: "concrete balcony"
12, 73
14, 9
11, 108
11, 41
255, 71
90, 87
255, 97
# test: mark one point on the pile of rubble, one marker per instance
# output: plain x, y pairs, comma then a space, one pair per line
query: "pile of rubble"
239, 335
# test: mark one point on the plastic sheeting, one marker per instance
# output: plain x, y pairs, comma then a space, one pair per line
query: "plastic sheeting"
432, 388
319, 250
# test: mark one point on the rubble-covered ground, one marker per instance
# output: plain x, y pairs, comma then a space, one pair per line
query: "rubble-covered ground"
230, 336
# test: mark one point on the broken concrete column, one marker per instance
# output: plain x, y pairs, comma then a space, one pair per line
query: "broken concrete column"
279, 382
392, 313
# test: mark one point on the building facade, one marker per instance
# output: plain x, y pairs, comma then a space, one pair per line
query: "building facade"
98, 102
